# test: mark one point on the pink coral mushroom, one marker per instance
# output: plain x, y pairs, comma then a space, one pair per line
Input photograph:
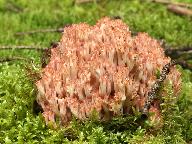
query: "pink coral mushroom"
102, 68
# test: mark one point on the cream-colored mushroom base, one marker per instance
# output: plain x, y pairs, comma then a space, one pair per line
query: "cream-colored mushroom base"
101, 68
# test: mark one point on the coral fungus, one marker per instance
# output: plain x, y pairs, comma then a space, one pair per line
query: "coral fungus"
101, 68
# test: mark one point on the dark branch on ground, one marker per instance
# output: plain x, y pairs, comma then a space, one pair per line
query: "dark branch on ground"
184, 65
13, 58
179, 10
38, 48
177, 52
11, 6
168, 2
59, 30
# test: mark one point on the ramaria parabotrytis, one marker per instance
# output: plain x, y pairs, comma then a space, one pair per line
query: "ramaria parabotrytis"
101, 68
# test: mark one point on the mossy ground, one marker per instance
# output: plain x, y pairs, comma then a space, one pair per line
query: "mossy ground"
19, 124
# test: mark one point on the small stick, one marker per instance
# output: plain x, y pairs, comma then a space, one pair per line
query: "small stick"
59, 30
177, 52
152, 94
83, 1
11, 6
179, 10
7, 59
38, 48
47, 54
168, 2
184, 64
185, 49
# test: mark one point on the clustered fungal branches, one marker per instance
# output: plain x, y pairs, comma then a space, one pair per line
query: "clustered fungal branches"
101, 68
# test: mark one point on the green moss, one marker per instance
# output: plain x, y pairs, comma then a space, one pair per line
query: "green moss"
18, 123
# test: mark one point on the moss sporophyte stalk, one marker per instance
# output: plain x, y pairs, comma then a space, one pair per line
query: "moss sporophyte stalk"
103, 68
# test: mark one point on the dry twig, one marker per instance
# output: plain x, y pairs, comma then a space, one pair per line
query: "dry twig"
177, 53
179, 10
10, 6
168, 2
13, 58
176, 7
38, 48
180, 55
59, 30
184, 64
84, 1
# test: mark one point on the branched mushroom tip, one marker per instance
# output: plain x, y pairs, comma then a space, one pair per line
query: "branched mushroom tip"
103, 68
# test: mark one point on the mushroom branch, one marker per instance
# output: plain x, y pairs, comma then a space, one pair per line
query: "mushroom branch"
102, 68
